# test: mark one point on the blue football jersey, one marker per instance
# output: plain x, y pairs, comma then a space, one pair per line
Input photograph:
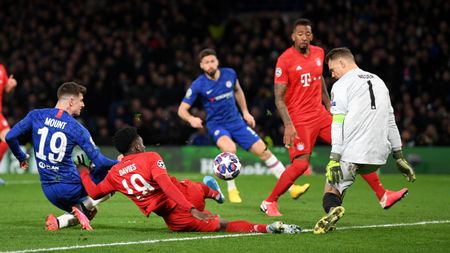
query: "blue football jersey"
217, 97
55, 134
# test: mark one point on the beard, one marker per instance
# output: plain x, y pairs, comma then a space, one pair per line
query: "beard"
303, 50
211, 73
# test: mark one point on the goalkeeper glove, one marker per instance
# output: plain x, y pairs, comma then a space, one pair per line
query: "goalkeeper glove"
334, 171
404, 167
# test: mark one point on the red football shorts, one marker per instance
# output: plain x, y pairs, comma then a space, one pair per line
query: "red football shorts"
308, 134
3, 122
182, 220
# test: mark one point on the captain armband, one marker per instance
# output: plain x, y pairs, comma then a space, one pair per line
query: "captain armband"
338, 118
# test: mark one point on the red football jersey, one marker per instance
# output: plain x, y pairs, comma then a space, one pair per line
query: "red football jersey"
3, 82
135, 176
303, 78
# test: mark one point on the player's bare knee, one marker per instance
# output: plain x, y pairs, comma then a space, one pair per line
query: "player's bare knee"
331, 200
260, 149
264, 155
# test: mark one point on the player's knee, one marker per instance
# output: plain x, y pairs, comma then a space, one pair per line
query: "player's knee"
264, 154
330, 200
260, 149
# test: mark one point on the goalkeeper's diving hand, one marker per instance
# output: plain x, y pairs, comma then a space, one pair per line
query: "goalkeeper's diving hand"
404, 167
334, 171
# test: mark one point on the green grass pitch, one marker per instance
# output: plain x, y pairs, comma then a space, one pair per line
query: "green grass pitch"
23, 209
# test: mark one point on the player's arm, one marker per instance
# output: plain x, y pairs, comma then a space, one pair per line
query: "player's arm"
338, 110
12, 138
240, 99
177, 196
94, 191
325, 95
289, 130
159, 173
183, 112
185, 105
87, 144
396, 143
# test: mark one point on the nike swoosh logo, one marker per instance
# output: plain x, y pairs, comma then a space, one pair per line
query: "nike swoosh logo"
209, 92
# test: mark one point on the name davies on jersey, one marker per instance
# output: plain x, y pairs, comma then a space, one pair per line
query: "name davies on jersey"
55, 123
128, 169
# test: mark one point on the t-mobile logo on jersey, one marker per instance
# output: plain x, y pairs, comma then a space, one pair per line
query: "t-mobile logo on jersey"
305, 79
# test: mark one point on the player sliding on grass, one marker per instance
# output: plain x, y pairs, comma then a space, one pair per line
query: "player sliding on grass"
55, 134
142, 177
363, 132
219, 90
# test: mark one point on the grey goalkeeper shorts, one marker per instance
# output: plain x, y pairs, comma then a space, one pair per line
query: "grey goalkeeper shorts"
349, 171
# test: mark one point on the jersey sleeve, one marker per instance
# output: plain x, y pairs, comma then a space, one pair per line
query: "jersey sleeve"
3, 77
96, 191
281, 73
339, 103
159, 174
393, 133
12, 138
87, 144
234, 76
191, 94
339, 99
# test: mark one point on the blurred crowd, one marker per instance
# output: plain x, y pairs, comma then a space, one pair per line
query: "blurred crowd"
137, 58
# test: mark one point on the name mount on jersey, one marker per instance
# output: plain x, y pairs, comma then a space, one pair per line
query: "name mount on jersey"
55, 123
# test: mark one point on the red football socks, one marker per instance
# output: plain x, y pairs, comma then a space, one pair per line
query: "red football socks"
209, 193
296, 169
374, 181
242, 226
3, 149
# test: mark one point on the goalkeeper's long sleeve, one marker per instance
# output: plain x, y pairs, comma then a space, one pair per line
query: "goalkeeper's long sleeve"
393, 134
337, 135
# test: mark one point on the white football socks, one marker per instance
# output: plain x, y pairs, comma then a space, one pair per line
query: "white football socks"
275, 166
231, 185
67, 220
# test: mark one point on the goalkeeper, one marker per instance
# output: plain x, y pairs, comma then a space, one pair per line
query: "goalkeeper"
363, 133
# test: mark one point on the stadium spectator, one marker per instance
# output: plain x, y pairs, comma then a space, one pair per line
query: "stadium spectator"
145, 50
7, 84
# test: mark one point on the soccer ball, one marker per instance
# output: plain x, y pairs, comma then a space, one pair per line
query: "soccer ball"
226, 166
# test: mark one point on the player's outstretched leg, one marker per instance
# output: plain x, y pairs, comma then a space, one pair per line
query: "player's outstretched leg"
277, 168
82, 218
279, 227
242, 226
327, 222
390, 197
212, 183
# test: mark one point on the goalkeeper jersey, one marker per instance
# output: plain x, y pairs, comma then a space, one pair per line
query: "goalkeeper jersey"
364, 100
